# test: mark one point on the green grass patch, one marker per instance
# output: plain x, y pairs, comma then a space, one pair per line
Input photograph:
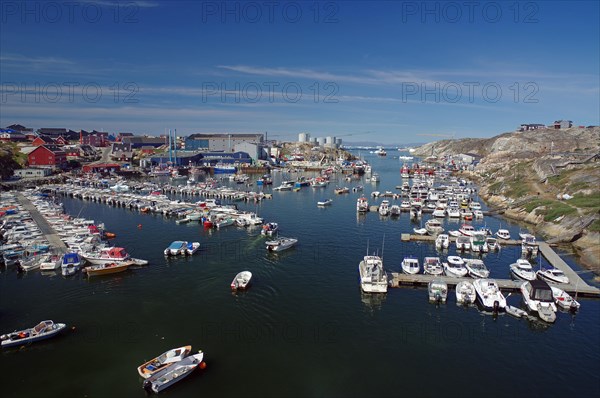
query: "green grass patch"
495, 187
595, 226
553, 210
587, 201
537, 203
517, 189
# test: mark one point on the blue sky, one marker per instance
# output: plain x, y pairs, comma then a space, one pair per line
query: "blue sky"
386, 71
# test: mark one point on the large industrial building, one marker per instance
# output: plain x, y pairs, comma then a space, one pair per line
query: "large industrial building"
220, 142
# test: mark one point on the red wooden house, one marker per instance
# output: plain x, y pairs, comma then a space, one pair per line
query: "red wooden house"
47, 156
61, 141
42, 140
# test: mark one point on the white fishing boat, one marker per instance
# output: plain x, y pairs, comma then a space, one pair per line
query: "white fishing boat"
373, 278
439, 212
173, 373
165, 359
553, 275
362, 205
463, 243
420, 231
492, 244
437, 291
537, 295
453, 212
41, 331
455, 267
176, 248
410, 266
434, 226
522, 269
395, 210
476, 268
478, 244
442, 241
324, 202
467, 230
241, 280
529, 244
433, 266
503, 234
465, 293
564, 299
270, 229
280, 244
384, 207
489, 295
192, 247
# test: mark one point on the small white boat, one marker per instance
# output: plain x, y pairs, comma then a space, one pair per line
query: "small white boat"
270, 229
192, 247
395, 210
522, 269
176, 248
410, 266
438, 291
455, 233
433, 266
553, 275
41, 331
324, 202
476, 268
165, 359
465, 293
503, 234
280, 244
224, 222
514, 311
442, 241
537, 295
434, 227
173, 373
564, 299
489, 295
362, 205
420, 231
529, 244
463, 243
384, 207
50, 262
467, 230
492, 244
29, 263
241, 280
455, 267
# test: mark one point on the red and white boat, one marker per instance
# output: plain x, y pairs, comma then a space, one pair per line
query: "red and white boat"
112, 255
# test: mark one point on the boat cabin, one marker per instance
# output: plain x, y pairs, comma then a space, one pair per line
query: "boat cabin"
539, 290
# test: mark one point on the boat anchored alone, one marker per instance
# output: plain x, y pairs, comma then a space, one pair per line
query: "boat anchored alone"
173, 373
41, 331
165, 359
280, 244
241, 280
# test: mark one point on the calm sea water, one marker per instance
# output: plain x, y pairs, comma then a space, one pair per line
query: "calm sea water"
302, 329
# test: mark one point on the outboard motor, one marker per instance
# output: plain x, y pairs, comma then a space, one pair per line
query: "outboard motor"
496, 306
147, 385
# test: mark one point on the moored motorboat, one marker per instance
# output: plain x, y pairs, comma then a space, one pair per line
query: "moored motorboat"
564, 299
503, 234
362, 205
410, 266
107, 268
165, 359
442, 241
50, 262
489, 295
324, 202
434, 226
173, 373
465, 293
280, 244
476, 268
455, 267
514, 311
41, 331
522, 269
492, 243
537, 295
553, 275
176, 248
270, 229
420, 231
191, 248
437, 291
467, 230
433, 266
463, 243
373, 278
241, 280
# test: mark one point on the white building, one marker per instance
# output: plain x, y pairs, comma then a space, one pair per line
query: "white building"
33, 172
303, 137
320, 141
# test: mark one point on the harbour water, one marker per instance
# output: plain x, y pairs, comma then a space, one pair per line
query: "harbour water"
302, 329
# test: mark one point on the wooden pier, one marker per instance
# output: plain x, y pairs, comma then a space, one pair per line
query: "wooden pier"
49, 233
576, 284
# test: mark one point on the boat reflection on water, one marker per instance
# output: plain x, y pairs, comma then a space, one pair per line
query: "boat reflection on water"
372, 301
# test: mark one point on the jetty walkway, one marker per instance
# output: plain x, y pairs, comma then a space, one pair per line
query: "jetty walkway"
576, 284
49, 233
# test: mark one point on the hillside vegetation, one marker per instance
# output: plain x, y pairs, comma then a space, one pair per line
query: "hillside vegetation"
547, 178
